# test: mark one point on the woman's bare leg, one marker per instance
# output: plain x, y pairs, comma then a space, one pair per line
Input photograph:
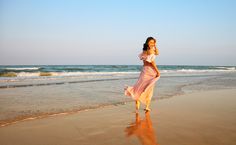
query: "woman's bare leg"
137, 103
147, 106
148, 100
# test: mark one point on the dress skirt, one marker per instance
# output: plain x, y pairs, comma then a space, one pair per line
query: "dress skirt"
143, 88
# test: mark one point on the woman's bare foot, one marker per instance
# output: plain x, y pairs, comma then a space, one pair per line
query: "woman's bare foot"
147, 109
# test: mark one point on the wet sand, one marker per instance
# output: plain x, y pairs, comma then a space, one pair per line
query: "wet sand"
206, 118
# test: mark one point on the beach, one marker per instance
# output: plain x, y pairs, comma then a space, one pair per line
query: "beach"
206, 117
74, 72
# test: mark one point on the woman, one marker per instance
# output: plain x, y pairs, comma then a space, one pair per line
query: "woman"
142, 91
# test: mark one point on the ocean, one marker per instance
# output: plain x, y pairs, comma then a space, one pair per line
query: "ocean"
35, 91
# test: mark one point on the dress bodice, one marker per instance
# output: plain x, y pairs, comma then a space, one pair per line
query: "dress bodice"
147, 57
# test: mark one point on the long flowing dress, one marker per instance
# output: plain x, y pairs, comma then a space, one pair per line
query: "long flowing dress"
142, 90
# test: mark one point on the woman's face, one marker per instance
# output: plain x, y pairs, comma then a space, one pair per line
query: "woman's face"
151, 43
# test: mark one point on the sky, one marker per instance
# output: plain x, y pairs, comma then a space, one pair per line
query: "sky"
106, 32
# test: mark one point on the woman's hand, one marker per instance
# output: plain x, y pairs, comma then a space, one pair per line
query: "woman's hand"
156, 51
158, 74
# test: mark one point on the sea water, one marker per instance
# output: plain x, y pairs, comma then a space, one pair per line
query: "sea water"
31, 91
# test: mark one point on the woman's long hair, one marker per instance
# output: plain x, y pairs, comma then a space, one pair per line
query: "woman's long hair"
145, 45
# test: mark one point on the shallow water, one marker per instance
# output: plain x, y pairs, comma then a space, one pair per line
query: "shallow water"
22, 98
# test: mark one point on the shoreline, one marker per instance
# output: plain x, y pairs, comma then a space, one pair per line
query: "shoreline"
19, 119
205, 117
49, 115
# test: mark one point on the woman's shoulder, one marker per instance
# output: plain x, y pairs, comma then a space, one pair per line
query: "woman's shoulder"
151, 57
146, 53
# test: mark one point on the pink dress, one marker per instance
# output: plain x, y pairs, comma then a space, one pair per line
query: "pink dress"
143, 88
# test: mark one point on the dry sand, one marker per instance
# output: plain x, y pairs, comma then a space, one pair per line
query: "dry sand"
203, 118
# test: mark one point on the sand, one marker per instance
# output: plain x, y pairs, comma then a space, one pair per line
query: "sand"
203, 118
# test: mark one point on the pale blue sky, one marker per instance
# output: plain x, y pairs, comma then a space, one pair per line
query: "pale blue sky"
197, 32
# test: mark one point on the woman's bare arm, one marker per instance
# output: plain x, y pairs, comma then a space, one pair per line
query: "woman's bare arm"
155, 67
156, 51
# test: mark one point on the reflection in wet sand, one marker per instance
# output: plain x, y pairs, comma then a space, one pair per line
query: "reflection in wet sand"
142, 129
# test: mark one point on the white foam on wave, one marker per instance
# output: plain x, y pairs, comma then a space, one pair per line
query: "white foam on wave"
37, 74
55, 75
225, 68
197, 71
22, 68
28, 74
